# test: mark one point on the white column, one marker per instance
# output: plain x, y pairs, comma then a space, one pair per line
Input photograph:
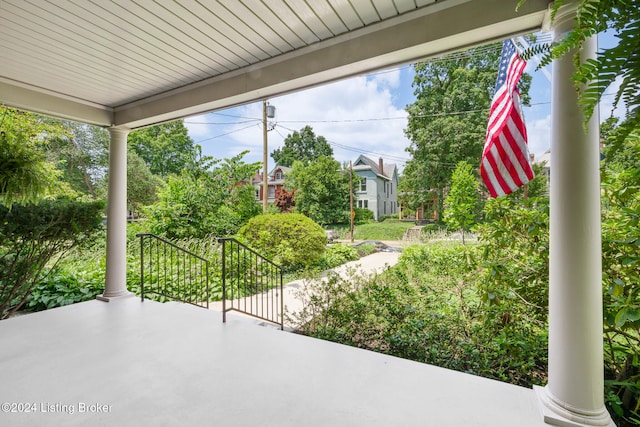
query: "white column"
574, 395
116, 275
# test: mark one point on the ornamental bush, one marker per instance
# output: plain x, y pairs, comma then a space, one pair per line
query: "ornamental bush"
291, 240
32, 235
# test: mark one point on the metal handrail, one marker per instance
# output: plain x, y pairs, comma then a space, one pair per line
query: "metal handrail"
251, 283
187, 282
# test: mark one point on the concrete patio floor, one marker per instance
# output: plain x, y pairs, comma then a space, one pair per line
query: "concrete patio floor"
177, 365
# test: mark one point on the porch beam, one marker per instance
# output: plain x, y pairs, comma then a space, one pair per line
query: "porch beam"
574, 395
116, 265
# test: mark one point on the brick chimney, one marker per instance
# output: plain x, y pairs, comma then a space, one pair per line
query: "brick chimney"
381, 166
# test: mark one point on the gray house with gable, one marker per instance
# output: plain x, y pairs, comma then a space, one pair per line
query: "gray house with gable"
377, 187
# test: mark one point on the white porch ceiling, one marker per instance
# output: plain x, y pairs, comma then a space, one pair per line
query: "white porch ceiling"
138, 62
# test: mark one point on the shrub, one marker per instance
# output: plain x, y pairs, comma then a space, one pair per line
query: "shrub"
338, 254
32, 235
426, 308
363, 216
289, 239
60, 288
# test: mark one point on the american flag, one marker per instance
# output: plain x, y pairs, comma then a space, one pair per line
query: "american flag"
505, 165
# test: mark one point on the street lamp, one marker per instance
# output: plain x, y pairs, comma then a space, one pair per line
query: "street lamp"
268, 111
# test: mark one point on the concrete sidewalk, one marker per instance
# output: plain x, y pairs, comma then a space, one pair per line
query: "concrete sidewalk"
370, 264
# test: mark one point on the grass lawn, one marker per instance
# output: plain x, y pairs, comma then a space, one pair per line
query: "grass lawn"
385, 230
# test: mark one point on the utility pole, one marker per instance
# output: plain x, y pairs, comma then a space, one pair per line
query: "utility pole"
265, 159
352, 213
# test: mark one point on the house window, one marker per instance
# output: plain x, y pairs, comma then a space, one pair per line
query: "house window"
366, 204
279, 175
363, 204
385, 208
272, 192
257, 194
363, 184
391, 187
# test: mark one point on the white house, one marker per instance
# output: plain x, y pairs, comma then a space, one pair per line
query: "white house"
377, 188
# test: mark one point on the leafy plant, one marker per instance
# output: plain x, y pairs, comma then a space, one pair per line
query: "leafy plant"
322, 190
289, 239
338, 254
427, 309
26, 175
196, 204
59, 288
594, 76
462, 201
33, 235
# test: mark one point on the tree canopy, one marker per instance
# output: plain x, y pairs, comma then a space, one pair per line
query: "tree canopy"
166, 148
82, 156
195, 204
448, 121
322, 190
303, 146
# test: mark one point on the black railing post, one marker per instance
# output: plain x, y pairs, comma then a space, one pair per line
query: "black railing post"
141, 266
224, 281
281, 303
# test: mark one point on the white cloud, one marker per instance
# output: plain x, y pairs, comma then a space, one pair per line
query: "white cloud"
539, 134
351, 113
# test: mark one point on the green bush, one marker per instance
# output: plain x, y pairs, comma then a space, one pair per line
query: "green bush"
363, 216
338, 254
426, 308
33, 235
291, 240
60, 288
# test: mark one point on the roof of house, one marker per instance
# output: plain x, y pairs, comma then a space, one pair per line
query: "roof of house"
364, 163
257, 177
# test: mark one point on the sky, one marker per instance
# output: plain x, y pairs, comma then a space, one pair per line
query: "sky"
361, 115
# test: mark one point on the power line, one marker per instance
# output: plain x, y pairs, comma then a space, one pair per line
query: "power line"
220, 123
225, 134
355, 149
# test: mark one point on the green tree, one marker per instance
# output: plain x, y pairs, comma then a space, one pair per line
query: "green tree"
462, 201
303, 146
142, 185
82, 155
166, 148
448, 121
322, 190
196, 204
26, 174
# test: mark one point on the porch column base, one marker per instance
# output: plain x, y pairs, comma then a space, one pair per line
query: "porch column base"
558, 413
111, 297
